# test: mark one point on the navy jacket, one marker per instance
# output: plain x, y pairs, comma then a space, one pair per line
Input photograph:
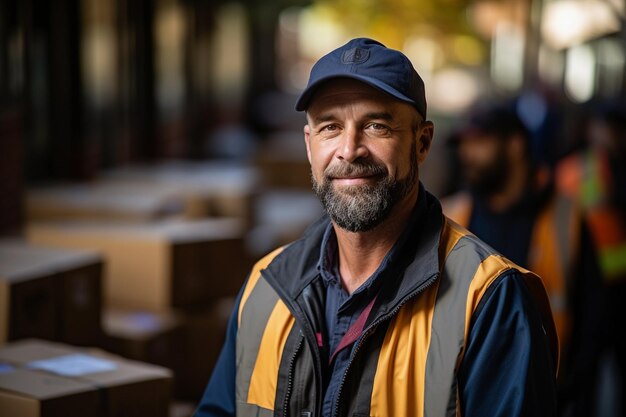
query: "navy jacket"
506, 367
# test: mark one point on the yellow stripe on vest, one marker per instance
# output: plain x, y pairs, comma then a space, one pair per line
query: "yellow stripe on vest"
450, 236
263, 383
488, 271
255, 274
399, 382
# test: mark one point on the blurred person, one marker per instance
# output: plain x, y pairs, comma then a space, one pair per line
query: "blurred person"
596, 178
512, 205
384, 307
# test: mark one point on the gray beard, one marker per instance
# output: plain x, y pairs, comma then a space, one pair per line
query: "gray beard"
359, 208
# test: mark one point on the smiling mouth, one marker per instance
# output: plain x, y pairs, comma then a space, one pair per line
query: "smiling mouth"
353, 177
354, 180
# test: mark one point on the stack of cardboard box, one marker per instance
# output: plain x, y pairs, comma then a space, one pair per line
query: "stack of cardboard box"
175, 241
167, 288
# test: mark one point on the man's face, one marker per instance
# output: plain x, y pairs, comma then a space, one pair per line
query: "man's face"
484, 162
364, 148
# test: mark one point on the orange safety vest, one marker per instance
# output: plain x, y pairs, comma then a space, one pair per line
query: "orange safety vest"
555, 241
587, 178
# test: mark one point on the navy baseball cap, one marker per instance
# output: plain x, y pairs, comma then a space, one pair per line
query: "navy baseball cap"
373, 63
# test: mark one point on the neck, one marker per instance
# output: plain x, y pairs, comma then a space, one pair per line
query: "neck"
513, 190
361, 253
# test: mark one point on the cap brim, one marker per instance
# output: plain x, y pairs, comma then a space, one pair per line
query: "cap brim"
303, 101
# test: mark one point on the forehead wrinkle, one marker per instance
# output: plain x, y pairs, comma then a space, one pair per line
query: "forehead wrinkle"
325, 117
346, 90
361, 106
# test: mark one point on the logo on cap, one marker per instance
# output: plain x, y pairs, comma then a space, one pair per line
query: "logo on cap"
355, 56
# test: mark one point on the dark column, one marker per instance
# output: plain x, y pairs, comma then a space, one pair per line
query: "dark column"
263, 20
70, 156
137, 79
11, 126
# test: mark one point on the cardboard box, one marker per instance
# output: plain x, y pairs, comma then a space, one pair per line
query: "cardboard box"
49, 293
28, 393
124, 388
158, 266
134, 389
28, 308
102, 201
203, 334
206, 189
144, 336
81, 305
188, 343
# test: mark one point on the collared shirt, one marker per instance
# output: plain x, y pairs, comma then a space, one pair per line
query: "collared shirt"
343, 309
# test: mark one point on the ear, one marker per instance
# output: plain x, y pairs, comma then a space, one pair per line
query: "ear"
307, 141
425, 138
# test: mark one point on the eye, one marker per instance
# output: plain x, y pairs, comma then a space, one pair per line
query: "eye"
378, 128
329, 128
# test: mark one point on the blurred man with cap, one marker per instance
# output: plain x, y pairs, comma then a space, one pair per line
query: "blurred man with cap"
512, 205
384, 307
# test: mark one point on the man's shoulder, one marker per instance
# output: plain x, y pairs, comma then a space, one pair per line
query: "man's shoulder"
454, 236
466, 256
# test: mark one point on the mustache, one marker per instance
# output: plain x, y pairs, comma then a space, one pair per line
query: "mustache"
355, 169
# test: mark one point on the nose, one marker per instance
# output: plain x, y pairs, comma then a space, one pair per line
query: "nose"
351, 146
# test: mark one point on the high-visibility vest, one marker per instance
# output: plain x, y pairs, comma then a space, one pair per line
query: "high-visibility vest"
587, 178
398, 374
554, 246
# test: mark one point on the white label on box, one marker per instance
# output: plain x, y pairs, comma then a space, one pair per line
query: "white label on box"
73, 365
5, 368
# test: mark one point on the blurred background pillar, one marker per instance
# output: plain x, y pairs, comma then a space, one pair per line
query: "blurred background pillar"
137, 104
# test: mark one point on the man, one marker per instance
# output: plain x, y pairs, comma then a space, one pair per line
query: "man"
384, 307
596, 178
512, 206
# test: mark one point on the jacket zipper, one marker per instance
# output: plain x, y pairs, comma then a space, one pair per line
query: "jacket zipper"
292, 363
369, 330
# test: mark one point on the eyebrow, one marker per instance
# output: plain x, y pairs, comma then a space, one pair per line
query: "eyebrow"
369, 116
379, 116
